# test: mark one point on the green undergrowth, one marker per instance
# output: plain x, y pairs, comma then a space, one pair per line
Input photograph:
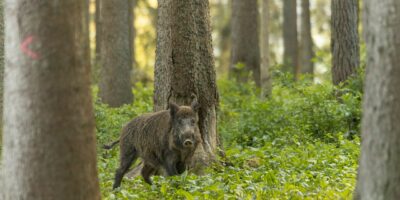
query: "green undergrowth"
302, 143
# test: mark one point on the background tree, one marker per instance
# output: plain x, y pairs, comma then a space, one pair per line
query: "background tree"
49, 142
185, 66
133, 32
221, 24
379, 175
96, 65
307, 53
245, 40
290, 41
1, 67
116, 52
265, 72
345, 45
87, 34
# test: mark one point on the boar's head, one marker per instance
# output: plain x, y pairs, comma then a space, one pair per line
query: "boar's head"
184, 122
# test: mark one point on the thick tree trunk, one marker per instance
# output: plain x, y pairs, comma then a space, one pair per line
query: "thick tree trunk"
49, 141
345, 45
266, 82
245, 40
185, 66
379, 175
115, 88
307, 53
290, 40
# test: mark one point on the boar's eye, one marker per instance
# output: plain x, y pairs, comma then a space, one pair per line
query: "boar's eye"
192, 121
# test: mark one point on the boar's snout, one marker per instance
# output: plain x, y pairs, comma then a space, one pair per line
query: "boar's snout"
188, 139
188, 143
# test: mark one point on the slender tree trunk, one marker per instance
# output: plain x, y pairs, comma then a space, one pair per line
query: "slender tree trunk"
345, 45
49, 141
115, 87
223, 24
133, 33
290, 40
245, 40
98, 29
1, 68
307, 53
88, 62
185, 66
96, 66
379, 175
266, 82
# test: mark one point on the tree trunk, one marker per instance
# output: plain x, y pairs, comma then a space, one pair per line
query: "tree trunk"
290, 41
115, 87
185, 66
222, 23
96, 65
49, 140
133, 33
245, 40
1, 68
345, 45
379, 175
266, 82
307, 53
87, 34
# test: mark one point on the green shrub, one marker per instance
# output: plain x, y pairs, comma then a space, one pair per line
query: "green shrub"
295, 108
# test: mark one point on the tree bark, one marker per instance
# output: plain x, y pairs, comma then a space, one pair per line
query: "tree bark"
222, 23
345, 45
96, 63
115, 88
98, 29
1, 68
379, 175
265, 72
185, 66
49, 140
87, 35
290, 40
133, 33
307, 53
245, 40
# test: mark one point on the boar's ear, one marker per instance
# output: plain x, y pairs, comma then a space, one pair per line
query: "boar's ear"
195, 106
173, 108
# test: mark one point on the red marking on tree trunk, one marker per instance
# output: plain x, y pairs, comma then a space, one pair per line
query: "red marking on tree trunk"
24, 47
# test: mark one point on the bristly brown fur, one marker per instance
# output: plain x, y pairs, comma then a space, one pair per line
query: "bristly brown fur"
152, 137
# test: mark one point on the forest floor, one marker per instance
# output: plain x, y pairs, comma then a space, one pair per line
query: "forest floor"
302, 143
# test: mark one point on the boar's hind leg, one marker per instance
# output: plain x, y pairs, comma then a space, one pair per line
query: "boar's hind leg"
147, 171
126, 160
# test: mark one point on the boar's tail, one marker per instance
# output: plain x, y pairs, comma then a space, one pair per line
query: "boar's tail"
110, 146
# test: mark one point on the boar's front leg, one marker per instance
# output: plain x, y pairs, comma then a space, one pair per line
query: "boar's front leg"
180, 167
170, 164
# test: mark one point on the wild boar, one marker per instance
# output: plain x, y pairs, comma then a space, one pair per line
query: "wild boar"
164, 140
